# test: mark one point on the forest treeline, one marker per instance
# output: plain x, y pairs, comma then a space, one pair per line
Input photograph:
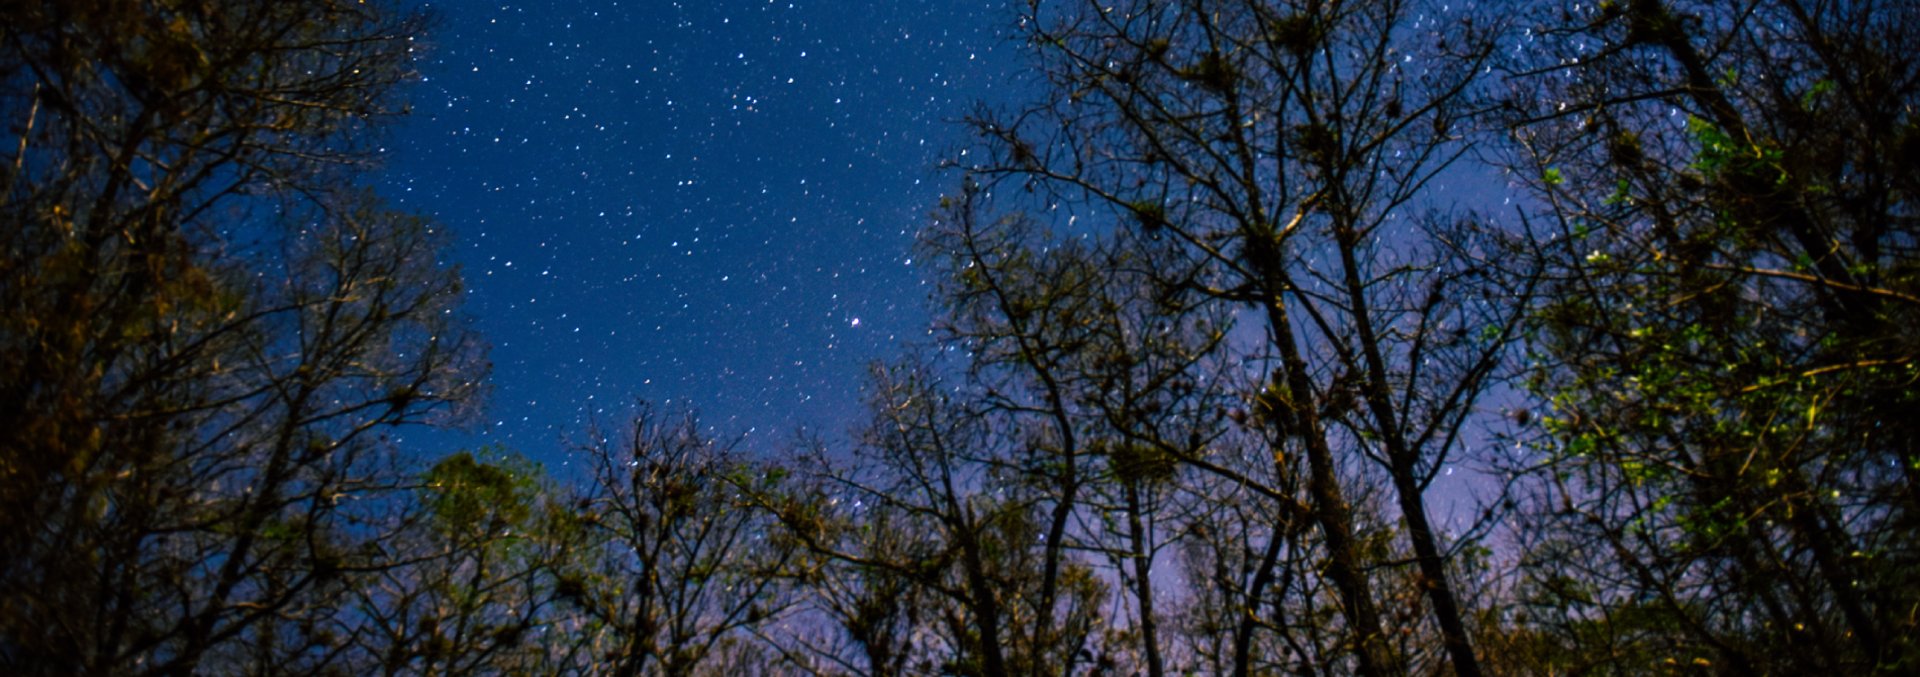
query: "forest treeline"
1218, 303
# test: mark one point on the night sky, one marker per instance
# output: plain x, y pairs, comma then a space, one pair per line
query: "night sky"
706, 204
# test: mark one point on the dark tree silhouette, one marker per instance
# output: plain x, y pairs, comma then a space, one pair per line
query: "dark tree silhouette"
1728, 347
1287, 151
678, 566
208, 329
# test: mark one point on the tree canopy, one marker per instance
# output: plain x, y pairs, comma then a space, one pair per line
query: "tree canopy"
1219, 301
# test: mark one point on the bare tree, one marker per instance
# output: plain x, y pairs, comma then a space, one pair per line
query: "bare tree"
1106, 380
1289, 151
212, 329
964, 529
679, 566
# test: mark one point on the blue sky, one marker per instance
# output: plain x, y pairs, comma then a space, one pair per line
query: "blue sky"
704, 204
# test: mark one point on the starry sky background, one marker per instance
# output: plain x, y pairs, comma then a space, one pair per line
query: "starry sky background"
706, 204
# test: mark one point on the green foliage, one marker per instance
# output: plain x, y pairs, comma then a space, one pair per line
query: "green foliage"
468, 495
1719, 449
